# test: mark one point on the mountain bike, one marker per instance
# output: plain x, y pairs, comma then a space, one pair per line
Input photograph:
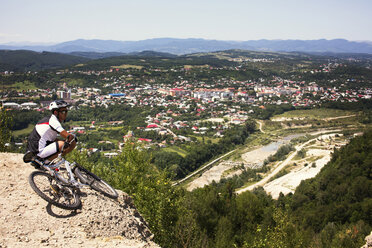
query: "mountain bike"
56, 181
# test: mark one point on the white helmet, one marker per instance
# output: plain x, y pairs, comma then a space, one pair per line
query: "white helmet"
57, 104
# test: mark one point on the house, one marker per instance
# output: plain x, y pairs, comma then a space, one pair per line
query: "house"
11, 105
29, 105
152, 126
110, 154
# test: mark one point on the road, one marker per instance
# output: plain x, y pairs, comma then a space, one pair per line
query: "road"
202, 168
280, 165
260, 126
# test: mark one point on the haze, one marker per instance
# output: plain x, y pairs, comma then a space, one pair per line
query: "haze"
43, 21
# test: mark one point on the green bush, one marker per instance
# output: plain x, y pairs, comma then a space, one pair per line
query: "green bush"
5, 132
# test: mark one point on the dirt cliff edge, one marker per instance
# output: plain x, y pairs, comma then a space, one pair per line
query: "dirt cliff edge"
26, 220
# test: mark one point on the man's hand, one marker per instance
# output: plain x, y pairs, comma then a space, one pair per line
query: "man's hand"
70, 138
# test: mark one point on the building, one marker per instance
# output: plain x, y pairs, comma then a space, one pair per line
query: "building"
11, 105
61, 94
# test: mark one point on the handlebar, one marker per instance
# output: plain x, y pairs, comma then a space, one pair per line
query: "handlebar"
68, 143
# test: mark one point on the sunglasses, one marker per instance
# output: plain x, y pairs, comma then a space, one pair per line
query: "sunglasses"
63, 111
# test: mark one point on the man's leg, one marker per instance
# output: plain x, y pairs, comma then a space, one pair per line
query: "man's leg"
52, 150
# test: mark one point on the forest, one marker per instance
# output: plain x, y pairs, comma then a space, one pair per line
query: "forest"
331, 210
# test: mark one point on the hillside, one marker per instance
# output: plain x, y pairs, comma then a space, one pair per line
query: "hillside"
28, 221
191, 45
342, 192
23, 61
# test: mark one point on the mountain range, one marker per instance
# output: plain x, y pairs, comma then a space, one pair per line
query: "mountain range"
192, 45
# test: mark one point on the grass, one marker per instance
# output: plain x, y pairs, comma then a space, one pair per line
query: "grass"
281, 173
25, 131
315, 113
313, 159
231, 170
126, 66
259, 139
176, 149
200, 138
111, 128
75, 82
195, 66
20, 86
269, 126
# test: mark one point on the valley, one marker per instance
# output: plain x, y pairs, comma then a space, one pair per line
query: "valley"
282, 176
242, 148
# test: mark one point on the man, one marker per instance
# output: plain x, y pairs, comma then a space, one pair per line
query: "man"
43, 141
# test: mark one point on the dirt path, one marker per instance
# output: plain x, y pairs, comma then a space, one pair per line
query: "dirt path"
197, 183
260, 124
290, 181
26, 220
256, 158
278, 167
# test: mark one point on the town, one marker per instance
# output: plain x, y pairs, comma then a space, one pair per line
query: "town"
221, 101
187, 103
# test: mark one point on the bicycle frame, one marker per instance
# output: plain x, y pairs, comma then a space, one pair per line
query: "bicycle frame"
54, 167
63, 183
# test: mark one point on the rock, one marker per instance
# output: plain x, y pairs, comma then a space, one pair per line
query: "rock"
368, 241
28, 218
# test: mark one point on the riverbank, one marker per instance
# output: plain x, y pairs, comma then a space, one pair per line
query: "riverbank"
318, 153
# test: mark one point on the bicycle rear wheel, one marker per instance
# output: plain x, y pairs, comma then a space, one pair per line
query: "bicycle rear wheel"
95, 182
50, 190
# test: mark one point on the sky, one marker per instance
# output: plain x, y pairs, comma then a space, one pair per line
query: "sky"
54, 21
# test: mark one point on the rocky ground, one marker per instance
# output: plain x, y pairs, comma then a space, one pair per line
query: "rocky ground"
26, 220
284, 184
368, 241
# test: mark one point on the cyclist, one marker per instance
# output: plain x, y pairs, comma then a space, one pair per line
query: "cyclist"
43, 141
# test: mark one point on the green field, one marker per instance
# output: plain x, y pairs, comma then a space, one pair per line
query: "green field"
125, 66
200, 138
75, 82
25, 131
20, 86
315, 113
175, 149
195, 66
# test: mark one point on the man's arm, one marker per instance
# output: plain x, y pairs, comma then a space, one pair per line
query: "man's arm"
67, 136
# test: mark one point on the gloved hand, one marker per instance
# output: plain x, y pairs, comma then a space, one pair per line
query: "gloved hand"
70, 138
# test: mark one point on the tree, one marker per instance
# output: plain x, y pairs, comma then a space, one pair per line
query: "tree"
150, 188
5, 132
283, 234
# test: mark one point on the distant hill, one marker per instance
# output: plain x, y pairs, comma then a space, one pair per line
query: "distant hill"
96, 55
156, 59
22, 60
25, 60
186, 46
153, 54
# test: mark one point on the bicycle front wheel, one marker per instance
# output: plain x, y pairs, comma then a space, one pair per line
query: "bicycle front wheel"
95, 182
50, 190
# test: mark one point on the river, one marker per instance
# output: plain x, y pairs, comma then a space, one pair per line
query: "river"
258, 155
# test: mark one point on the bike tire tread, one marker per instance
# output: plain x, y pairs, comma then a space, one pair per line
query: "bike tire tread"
111, 193
75, 205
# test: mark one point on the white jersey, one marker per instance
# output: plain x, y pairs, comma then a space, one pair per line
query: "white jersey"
44, 133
